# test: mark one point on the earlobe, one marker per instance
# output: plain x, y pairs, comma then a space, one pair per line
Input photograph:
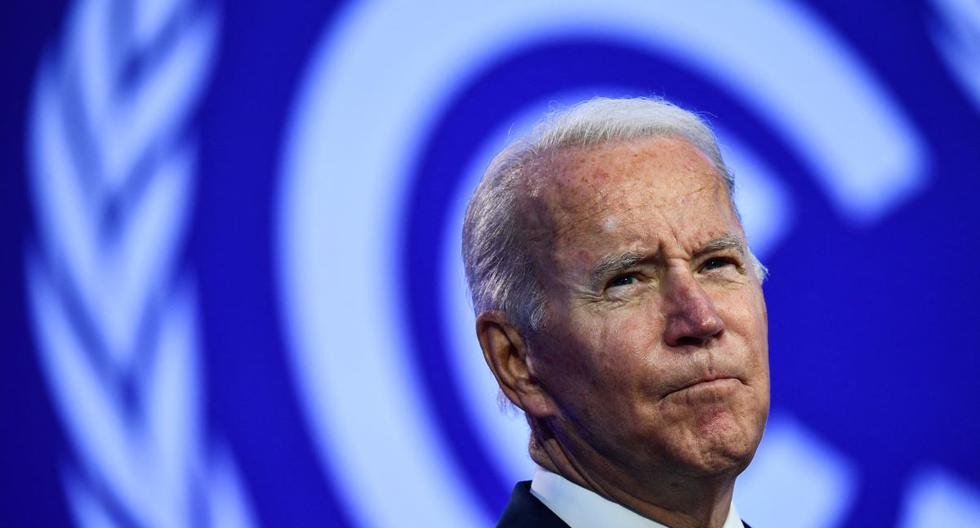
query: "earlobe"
506, 353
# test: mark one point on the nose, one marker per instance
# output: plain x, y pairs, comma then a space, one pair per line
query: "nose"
691, 317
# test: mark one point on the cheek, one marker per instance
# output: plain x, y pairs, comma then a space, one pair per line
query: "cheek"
759, 329
744, 313
627, 356
754, 329
606, 350
635, 327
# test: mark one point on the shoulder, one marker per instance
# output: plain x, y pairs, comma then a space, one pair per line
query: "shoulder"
525, 510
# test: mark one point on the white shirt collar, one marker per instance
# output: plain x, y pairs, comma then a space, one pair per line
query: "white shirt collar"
581, 508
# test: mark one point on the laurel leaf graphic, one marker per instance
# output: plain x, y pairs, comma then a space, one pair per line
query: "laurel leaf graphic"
956, 34
113, 309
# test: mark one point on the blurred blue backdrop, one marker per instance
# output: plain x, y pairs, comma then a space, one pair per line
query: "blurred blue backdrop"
231, 287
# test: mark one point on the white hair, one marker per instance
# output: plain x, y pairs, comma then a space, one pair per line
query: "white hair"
497, 239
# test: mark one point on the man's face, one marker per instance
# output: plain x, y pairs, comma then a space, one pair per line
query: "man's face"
654, 348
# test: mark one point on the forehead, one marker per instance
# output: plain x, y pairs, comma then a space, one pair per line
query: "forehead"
659, 187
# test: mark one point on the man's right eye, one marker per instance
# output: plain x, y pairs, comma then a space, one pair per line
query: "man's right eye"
626, 279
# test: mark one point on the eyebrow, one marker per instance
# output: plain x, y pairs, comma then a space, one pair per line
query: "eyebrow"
615, 263
722, 243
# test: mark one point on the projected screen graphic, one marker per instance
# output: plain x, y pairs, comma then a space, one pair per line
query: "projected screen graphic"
241, 290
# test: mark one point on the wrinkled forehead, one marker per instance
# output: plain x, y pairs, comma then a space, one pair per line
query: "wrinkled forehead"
614, 186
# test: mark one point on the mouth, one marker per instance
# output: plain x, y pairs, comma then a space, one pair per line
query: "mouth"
706, 383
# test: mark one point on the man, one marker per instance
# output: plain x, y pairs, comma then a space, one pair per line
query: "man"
620, 308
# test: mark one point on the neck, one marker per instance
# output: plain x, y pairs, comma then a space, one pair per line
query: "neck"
680, 501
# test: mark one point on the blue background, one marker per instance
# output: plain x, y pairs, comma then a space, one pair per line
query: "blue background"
874, 330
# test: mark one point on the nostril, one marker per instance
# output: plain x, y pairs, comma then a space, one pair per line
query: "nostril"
691, 341
684, 332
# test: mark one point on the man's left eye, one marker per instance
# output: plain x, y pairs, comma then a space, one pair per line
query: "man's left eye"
716, 263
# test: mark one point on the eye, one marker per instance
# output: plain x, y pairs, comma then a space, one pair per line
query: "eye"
718, 263
625, 279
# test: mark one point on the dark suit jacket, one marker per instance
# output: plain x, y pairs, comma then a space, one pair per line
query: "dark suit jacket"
525, 511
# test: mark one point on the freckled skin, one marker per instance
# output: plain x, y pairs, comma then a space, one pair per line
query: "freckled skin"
609, 360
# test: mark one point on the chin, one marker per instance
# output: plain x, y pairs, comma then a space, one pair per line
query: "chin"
723, 446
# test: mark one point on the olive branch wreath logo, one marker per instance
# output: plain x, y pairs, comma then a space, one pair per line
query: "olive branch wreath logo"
955, 32
113, 309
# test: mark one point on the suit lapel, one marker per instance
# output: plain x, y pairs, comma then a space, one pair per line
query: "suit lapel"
525, 511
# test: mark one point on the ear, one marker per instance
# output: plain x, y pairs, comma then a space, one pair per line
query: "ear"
506, 353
